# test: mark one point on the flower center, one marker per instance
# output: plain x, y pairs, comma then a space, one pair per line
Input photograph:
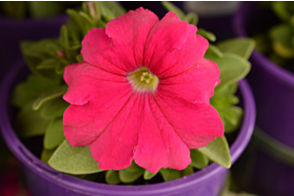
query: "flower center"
142, 80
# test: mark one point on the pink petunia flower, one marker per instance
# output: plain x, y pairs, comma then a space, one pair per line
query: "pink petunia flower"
142, 93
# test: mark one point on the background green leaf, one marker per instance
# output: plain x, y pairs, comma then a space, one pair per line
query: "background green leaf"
29, 123
171, 7
208, 35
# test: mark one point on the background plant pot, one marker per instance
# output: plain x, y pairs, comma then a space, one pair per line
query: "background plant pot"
13, 31
215, 17
272, 85
45, 181
266, 167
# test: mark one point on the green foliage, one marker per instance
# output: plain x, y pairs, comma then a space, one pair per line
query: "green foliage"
46, 154
278, 43
171, 7
112, 177
34, 9
218, 151
49, 95
29, 123
73, 160
128, 177
54, 134
191, 17
208, 35
239, 46
199, 161
170, 174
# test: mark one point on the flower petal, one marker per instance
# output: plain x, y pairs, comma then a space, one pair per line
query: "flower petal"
167, 35
96, 97
86, 82
129, 33
197, 124
114, 148
97, 50
180, 60
159, 145
194, 85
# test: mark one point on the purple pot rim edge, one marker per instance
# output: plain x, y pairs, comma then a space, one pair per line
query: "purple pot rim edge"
282, 75
64, 180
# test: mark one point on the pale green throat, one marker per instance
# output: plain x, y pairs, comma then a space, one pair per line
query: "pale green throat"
142, 80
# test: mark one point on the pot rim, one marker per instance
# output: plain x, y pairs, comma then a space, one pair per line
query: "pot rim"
282, 75
79, 185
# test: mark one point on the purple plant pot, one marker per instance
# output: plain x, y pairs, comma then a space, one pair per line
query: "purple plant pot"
45, 181
266, 167
219, 23
14, 31
272, 85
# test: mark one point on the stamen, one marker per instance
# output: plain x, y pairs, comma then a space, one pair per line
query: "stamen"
142, 80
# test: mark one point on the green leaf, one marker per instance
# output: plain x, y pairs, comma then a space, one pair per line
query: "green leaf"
171, 7
110, 9
170, 174
232, 69
225, 97
218, 151
239, 46
29, 122
49, 63
46, 154
191, 18
233, 124
54, 108
283, 51
187, 171
13, 9
282, 34
232, 114
30, 89
148, 175
208, 35
44, 9
212, 52
77, 18
44, 97
52, 48
88, 22
54, 135
199, 161
128, 177
134, 167
280, 9
73, 160
79, 58
112, 177
63, 38
34, 53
